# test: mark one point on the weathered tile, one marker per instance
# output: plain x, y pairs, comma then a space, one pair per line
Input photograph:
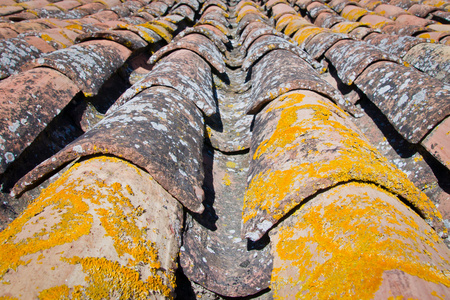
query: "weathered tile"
170, 138
351, 57
8, 10
315, 8
197, 43
7, 33
390, 11
291, 73
181, 70
433, 59
29, 101
338, 5
328, 20
343, 234
402, 29
394, 44
267, 43
321, 42
281, 9
376, 21
413, 20
437, 142
208, 31
412, 101
304, 35
124, 37
14, 53
252, 36
353, 13
185, 11
88, 64
421, 10
303, 144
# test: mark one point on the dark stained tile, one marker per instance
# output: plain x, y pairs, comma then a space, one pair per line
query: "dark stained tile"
88, 64
184, 71
267, 43
291, 73
351, 57
433, 59
197, 43
169, 148
29, 101
412, 101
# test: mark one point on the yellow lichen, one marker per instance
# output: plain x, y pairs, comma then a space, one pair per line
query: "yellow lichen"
341, 249
350, 158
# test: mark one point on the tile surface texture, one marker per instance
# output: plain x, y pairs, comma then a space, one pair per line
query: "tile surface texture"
187, 149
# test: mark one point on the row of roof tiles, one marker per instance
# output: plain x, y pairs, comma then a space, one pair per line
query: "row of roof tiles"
175, 96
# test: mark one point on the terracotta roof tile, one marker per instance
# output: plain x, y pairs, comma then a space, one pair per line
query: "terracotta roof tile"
400, 94
24, 117
124, 37
88, 64
394, 44
437, 143
14, 53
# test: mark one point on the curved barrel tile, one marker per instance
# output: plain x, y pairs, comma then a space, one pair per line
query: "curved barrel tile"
185, 11
350, 58
268, 43
249, 19
216, 3
158, 130
394, 44
303, 144
399, 29
218, 39
88, 64
291, 73
412, 101
126, 38
184, 71
433, 59
330, 245
316, 8
29, 101
437, 142
328, 20
304, 35
321, 42
197, 43
255, 34
14, 53
295, 25
114, 229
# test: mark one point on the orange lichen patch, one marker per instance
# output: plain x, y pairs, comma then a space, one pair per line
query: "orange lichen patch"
340, 243
304, 33
226, 179
108, 279
109, 228
74, 222
355, 14
314, 147
296, 25
284, 20
249, 9
161, 31
346, 27
55, 293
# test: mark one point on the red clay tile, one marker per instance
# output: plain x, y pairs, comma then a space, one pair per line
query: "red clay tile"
353, 13
376, 21
67, 4
88, 64
29, 101
321, 42
360, 32
110, 3
266, 43
39, 43
13, 54
7, 2
405, 4
282, 9
445, 41
8, 10
198, 44
207, 32
390, 11
22, 27
315, 8
441, 16
421, 10
338, 5
434, 35
291, 73
214, 3
123, 37
185, 11
157, 8
7, 33
22, 16
350, 58
433, 59
369, 4
216, 32
170, 148
252, 35
184, 71
328, 20
191, 3
413, 20
438, 142
399, 29
412, 101
34, 4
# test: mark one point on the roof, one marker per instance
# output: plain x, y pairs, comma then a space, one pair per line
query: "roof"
190, 92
